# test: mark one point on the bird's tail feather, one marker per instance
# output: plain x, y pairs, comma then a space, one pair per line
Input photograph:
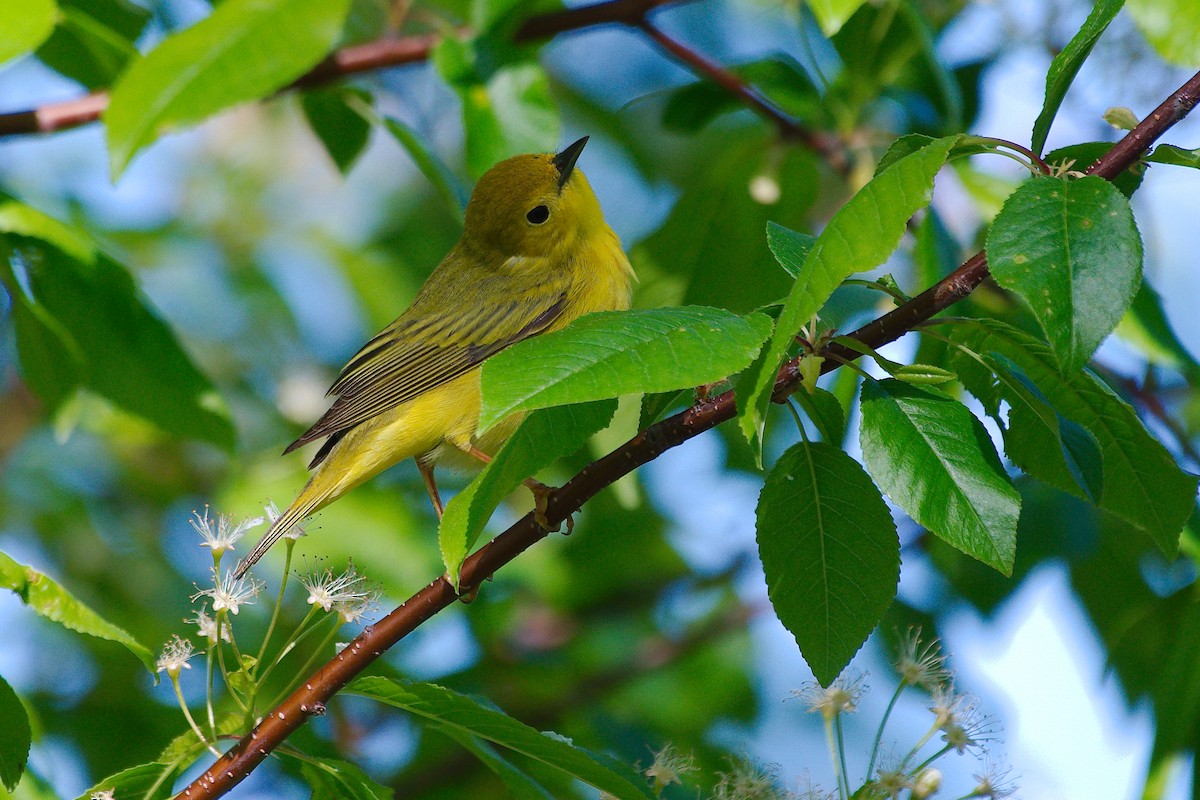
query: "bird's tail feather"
308, 502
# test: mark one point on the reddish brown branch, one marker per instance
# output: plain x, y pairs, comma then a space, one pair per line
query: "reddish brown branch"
347, 61
789, 127
310, 698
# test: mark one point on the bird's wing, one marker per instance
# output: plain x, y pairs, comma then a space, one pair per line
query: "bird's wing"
446, 333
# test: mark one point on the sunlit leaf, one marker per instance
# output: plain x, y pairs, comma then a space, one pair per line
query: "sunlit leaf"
26, 24
144, 782
1171, 26
244, 50
335, 779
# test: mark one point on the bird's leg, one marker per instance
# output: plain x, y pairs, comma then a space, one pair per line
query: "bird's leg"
431, 486
541, 492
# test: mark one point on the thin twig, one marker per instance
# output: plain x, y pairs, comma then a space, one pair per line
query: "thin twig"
66, 114
824, 144
647, 445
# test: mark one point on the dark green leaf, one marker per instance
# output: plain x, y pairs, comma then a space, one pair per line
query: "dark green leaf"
94, 40
1072, 251
1067, 63
543, 438
1079, 157
336, 117
830, 553
519, 784
48, 599
82, 322
860, 236
936, 461
620, 352
1143, 484
335, 779
144, 782
1177, 156
245, 50
825, 411
15, 736
789, 247
26, 24
691, 107
1146, 327
432, 167
453, 711
655, 404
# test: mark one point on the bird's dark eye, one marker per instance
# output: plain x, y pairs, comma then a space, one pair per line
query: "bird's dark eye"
538, 214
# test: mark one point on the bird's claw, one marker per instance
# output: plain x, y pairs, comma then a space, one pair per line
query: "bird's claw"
541, 499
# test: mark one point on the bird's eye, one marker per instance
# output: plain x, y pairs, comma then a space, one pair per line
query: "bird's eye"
538, 214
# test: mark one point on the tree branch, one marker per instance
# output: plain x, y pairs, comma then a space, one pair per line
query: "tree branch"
310, 699
67, 114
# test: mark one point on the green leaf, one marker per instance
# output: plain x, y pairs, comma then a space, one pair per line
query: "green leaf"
507, 105
655, 404
520, 785
94, 40
789, 247
861, 235
1045, 444
923, 374
1072, 251
26, 24
1171, 26
825, 411
144, 782
832, 14
1177, 156
15, 737
693, 106
432, 167
936, 461
1080, 156
830, 553
1067, 63
543, 438
335, 779
451, 711
619, 352
1145, 326
1142, 484
336, 117
50, 600
245, 50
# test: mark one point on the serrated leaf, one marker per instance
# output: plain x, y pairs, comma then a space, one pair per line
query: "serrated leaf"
1143, 484
15, 737
789, 247
432, 167
655, 404
1146, 327
829, 551
544, 437
936, 461
1067, 63
245, 50
1072, 251
825, 411
143, 782
1172, 27
335, 116
94, 40
82, 323
26, 24
450, 710
1042, 442
619, 352
1176, 156
49, 599
861, 235
335, 779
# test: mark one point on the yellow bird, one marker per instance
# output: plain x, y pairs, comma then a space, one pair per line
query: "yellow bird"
535, 254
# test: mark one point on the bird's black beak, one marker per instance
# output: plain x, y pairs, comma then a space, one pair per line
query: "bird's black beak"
565, 161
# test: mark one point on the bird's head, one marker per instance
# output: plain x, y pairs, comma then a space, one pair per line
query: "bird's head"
533, 206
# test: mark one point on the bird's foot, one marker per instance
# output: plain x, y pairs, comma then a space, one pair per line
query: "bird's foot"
541, 499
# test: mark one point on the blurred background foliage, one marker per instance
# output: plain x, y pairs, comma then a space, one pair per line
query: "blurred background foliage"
267, 244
